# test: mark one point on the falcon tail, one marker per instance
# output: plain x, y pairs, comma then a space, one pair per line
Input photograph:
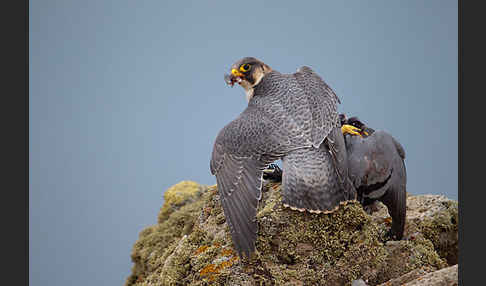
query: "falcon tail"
311, 181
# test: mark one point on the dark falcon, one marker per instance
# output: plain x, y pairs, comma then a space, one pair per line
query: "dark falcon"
292, 117
377, 170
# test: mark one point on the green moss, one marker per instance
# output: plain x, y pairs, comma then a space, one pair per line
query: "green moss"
312, 246
442, 231
405, 256
176, 266
183, 203
178, 195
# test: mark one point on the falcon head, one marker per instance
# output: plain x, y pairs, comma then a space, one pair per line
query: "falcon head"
247, 72
354, 121
342, 119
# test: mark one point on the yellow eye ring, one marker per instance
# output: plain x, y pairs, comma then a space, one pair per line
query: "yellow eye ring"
245, 67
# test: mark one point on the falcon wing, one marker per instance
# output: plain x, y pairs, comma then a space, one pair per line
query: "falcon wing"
337, 148
240, 154
239, 182
371, 162
378, 171
323, 103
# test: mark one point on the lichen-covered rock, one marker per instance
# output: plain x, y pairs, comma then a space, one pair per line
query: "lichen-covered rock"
444, 277
407, 277
179, 195
433, 217
191, 244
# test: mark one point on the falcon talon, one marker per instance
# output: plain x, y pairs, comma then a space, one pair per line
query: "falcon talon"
354, 122
349, 129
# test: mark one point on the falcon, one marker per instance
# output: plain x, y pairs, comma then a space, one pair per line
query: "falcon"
292, 117
377, 170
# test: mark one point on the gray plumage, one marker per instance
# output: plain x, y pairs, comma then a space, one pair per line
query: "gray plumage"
377, 170
288, 117
313, 178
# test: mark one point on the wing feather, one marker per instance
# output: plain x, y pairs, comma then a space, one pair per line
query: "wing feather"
239, 182
373, 162
323, 103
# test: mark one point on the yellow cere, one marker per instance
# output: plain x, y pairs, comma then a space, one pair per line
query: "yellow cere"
236, 72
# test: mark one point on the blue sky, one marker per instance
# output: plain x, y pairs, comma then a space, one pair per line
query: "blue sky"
127, 97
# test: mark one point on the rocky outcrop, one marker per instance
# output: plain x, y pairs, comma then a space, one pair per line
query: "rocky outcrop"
191, 245
444, 277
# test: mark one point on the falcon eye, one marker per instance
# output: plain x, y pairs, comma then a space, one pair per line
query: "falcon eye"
245, 67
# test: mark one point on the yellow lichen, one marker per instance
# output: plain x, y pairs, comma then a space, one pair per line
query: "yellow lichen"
210, 269
227, 252
178, 195
201, 249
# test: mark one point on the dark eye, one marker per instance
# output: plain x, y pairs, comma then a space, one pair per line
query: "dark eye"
245, 67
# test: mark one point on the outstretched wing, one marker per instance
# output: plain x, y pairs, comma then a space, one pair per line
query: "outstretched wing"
240, 154
322, 101
239, 182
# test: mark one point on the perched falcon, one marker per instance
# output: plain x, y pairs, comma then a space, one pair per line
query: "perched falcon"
377, 169
292, 117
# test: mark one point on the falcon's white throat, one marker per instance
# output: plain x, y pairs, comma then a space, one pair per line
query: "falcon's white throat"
258, 74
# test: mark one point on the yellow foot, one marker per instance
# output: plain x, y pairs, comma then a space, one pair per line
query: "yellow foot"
350, 129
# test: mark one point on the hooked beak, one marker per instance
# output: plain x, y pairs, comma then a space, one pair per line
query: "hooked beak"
235, 76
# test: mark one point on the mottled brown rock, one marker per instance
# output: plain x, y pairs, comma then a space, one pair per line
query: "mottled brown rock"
412, 275
433, 217
444, 277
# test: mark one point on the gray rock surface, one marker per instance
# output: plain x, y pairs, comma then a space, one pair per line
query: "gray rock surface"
444, 277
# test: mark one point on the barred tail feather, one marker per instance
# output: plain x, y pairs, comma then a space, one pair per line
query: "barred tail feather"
310, 181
